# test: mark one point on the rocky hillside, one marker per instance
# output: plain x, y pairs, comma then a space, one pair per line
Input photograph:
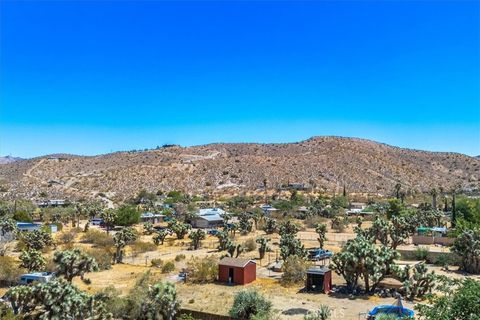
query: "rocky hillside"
324, 162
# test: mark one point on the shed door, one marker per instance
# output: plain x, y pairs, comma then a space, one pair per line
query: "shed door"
230, 275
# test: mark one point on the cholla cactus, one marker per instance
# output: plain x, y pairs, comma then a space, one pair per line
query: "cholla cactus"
418, 281
32, 260
74, 263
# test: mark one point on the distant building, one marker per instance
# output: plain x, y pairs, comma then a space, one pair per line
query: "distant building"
152, 217
36, 276
268, 209
237, 271
52, 203
31, 226
208, 218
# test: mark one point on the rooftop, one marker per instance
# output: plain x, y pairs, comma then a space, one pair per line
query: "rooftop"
234, 262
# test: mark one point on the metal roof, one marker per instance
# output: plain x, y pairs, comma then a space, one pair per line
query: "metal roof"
234, 262
316, 270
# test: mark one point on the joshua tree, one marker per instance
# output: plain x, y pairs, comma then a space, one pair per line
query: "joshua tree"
74, 263
160, 236
263, 246
37, 239
397, 189
196, 236
109, 216
270, 225
32, 260
321, 230
223, 240
232, 248
245, 225
121, 239
148, 228
180, 229
289, 244
7, 226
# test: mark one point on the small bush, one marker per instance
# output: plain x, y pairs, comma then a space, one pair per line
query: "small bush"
444, 260
103, 256
294, 270
67, 237
250, 245
202, 269
9, 271
250, 304
158, 263
98, 238
168, 267
323, 313
179, 257
421, 253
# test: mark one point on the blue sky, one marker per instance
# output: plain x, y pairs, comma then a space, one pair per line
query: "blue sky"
94, 77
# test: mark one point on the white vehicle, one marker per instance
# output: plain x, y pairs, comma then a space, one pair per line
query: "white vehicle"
37, 276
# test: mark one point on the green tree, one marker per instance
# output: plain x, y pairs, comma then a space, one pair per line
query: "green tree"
121, 239
196, 236
74, 263
127, 215
250, 304
32, 260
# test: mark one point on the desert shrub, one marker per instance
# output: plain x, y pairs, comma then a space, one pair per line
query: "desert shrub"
386, 316
9, 271
127, 215
67, 237
202, 269
98, 238
312, 221
142, 247
168, 267
323, 313
186, 317
158, 263
179, 257
421, 253
250, 245
250, 304
103, 256
294, 270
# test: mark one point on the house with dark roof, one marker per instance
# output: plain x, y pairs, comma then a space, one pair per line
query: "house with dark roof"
237, 271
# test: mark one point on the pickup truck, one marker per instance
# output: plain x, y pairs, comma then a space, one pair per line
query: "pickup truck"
319, 254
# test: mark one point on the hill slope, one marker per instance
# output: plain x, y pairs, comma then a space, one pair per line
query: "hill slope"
327, 162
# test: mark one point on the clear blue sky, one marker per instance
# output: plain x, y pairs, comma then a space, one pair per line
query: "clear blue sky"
93, 77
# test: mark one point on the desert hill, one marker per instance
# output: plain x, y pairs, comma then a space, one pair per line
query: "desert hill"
323, 162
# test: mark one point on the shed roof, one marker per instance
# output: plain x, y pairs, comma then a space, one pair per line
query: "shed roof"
316, 270
234, 262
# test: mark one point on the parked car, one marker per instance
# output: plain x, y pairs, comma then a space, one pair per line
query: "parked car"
319, 254
213, 232
36, 277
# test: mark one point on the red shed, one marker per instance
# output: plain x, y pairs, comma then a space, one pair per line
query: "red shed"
238, 271
319, 279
